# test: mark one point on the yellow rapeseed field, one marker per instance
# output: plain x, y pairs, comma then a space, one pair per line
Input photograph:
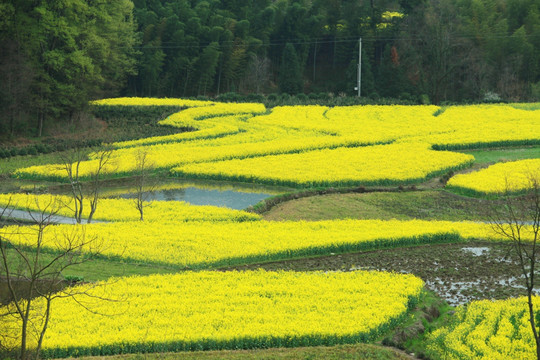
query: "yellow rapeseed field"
370, 165
219, 243
137, 101
504, 177
124, 209
215, 310
494, 330
299, 146
240, 131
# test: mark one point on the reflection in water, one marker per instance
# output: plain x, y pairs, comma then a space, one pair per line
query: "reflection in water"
230, 199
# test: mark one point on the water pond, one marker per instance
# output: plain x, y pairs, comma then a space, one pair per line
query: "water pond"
230, 195
225, 198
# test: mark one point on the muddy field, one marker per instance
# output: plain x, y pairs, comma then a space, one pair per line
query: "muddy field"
458, 273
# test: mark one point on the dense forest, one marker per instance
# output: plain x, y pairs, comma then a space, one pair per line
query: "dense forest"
57, 55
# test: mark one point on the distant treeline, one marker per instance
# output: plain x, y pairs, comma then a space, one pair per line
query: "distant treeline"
56, 55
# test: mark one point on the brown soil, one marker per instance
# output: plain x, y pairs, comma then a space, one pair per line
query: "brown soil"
458, 273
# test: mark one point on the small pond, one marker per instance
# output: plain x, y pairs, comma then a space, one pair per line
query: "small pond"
231, 195
232, 199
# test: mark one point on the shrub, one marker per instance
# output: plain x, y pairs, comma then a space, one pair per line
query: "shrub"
41, 148
374, 95
424, 99
405, 96
325, 96
228, 97
32, 150
491, 97
255, 98
285, 97
60, 146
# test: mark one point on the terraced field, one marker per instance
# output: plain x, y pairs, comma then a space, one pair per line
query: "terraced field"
361, 180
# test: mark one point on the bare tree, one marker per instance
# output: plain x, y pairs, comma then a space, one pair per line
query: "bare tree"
257, 75
34, 276
142, 186
518, 220
103, 160
72, 163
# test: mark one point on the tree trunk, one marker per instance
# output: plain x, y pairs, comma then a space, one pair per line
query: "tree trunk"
44, 328
532, 322
41, 119
219, 82
24, 330
314, 60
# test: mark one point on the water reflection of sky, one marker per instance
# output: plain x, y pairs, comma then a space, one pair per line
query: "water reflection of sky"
228, 198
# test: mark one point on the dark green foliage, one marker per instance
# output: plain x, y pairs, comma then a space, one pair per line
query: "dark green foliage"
32, 150
290, 76
229, 97
55, 57
135, 122
438, 52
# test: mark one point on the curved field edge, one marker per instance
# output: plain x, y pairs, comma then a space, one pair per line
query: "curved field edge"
120, 210
337, 352
513, 177
486, 145
211, 244
24, 174
267, 204
488, 156
286, 254
282, 294
177, 172
246, 343
464, 191
439, 238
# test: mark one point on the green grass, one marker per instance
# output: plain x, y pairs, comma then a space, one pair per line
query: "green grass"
103, 268
527, 106
94, 270
498, 155
341, 352
427, 205
411, 334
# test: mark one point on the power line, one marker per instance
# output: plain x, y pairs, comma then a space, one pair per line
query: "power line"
182, 45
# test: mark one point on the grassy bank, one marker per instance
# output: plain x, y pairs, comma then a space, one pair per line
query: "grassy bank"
342, 352
489, 156
425, 205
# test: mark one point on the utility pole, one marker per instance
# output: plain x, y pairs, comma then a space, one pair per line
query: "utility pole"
359, 84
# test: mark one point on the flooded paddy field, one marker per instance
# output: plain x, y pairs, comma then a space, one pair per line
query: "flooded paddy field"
458, 273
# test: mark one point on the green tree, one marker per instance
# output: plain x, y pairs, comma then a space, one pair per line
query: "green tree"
207, 66
75, 51
290, 76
